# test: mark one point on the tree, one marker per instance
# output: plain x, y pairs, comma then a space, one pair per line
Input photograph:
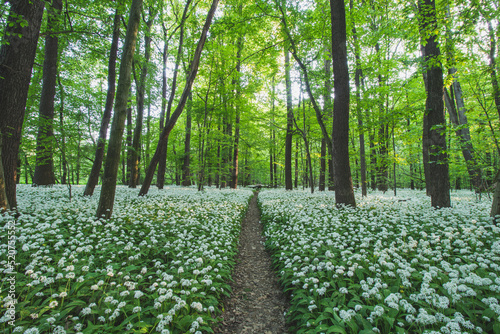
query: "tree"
44, 169
141, 91
17, 55
182, 102
435, 127
289, 124
237, 83
107, 198
160, 179
344, 193
106, 117
357, 81
186, 177
4, 203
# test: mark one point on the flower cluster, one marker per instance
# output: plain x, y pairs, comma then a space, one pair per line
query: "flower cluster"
390, 265
160, 264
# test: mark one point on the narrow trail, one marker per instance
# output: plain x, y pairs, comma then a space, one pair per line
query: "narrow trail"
257, 304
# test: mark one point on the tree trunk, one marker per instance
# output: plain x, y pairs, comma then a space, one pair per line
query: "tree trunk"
289, 124
272, 138
303, 133
128, 141
296, 181
141, 91
493, 67
436, 124
322, 170
108, 108
64, 161
495, 206
44, 168
459, 121
344, 193
357, 81
160, 178
17, 54
107, 198
4, 203
182, 102
234, 182
186, 178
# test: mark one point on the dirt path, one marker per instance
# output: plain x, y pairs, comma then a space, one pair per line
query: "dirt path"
257, 305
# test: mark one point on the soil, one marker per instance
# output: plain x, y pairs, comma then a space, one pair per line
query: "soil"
257, 305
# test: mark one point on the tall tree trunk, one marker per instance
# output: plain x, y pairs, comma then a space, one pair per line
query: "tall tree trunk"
272, 138
495, 206
455, 105
107, 198
108, 107
436, 124
4, 203
344, 193
128, 141
493, 67
78, 153
327, 109
459, 121
44, 168
63, 135
239, 43
296, 181
373, 160
322, 170
186, 177
160, 178
182, 101
357, 81
148, 132
303, 133
289, 124
141, 91
17, 55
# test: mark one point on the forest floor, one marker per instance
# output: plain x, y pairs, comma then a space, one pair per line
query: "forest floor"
256, 304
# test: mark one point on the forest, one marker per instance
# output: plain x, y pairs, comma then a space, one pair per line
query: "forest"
259, 107
147, 124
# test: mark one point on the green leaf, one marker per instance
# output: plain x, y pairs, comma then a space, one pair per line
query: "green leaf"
336, 329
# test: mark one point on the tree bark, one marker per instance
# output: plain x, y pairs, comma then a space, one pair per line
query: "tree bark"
493, 67
17, 55
322, 171
4, 203
107, 198
289, 123
44, 168
108, 108
459, 121
344, 193
436, 124
272, 137
141, 91
182, 102
495, 206
234, 182
186, 177
160, 178
303, 134
357, 81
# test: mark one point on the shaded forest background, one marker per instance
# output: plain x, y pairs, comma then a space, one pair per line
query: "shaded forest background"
264, 92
